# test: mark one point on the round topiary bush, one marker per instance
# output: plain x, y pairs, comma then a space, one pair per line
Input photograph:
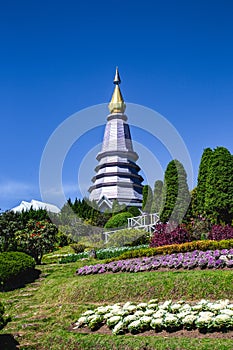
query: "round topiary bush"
118, 220
16, 268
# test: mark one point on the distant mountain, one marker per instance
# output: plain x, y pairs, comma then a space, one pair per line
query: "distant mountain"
36, 205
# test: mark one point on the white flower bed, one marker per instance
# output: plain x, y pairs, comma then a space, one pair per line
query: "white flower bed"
135, 318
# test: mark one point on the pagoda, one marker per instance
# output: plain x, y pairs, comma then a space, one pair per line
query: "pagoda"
117, 175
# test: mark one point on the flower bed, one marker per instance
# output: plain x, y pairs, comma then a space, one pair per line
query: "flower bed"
170, 316
105, 253
196, 259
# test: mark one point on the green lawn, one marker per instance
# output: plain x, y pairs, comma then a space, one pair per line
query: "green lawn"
42, 312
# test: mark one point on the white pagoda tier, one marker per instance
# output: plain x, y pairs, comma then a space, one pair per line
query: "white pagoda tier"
117, 175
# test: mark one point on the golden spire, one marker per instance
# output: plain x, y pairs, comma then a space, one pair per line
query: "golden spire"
117, 104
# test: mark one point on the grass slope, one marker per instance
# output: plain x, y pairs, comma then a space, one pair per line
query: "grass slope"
43, 311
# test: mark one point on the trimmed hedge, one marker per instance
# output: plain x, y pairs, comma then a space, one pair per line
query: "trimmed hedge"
175, 248
16, 268
118, 220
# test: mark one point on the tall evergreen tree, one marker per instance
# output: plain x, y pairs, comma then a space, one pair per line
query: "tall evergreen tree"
201, 180
175, 194
157, 197
147, 197
219, 187
193, 208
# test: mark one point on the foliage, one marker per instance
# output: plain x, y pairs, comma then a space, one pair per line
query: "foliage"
198, 228
197, 259
105, 253
93, 240
157, 197
78, 248
177, 248
37, 238
219, 232
144, 238
32, 214
63, 239
147, 197
205, 315
118, 220
192, 212
3, 320
202, 181
86, 210
219, 187
78, 230
10, 222
175, 194
165, 234
117, 207
14, 266
126, 237
134, 211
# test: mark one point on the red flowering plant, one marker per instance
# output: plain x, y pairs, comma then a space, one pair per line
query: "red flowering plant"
37, 238
166, 234
219, 232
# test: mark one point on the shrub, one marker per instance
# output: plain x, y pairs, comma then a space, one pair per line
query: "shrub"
78, 247
63, 239
126, 237
16, 268
164, 234
37, 238
118, 220
134, 211
198, 228
3, 320
219, 232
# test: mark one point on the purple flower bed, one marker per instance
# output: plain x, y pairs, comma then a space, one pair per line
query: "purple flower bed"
211, 259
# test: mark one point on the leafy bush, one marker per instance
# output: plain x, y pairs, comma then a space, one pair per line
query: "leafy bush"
37, 238
63, 239
176, 248
3, 320
219, 232
198, 228
164, 234
118, 220
143, 239
134, 211
78, 247
15, 269
127, 237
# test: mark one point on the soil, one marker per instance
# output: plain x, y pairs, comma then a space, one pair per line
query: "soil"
181, 333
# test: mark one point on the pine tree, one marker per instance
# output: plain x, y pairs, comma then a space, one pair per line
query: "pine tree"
147, 197
157, 197
175, 194
219, 187
201, 181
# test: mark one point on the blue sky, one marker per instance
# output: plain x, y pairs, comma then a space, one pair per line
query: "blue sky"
59, 57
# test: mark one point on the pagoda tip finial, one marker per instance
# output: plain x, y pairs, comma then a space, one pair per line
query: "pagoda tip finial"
117, 104
117, 79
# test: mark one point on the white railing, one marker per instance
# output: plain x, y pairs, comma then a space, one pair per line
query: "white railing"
142, 222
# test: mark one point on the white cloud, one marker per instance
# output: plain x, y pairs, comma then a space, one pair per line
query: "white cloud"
15, 189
